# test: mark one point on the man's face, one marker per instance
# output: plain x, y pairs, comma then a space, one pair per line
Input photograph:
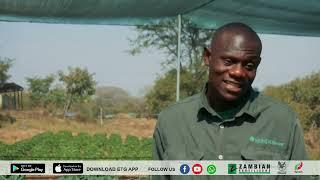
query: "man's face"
232, 61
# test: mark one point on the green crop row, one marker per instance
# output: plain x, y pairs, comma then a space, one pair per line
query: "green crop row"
65, 146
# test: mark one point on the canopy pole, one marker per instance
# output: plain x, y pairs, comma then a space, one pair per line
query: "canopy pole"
178, 62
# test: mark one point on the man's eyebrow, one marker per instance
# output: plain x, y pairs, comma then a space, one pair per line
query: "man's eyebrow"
254, 56
249, 57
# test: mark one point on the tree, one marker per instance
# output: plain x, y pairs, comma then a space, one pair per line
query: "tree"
164, 37
163, 92
302, 95
79, 85
116, 100
111, 99
5, 65
39, 89
56, 97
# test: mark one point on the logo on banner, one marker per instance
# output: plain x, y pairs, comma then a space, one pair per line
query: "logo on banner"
184, 169
282, 167
232, 169
14, 168
298, 168
253, 168
27, 168
68, 168
58, 168
211, 169
197, 169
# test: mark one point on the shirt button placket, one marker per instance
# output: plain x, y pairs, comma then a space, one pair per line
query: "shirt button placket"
221, 129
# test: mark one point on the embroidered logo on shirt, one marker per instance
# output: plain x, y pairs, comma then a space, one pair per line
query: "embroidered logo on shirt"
265, 141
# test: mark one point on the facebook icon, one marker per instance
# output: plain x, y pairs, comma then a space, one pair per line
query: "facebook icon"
184, 169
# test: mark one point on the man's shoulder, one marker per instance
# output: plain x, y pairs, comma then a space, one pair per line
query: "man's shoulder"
182, 106
275, 107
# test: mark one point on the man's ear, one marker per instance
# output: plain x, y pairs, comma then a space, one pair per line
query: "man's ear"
206, 55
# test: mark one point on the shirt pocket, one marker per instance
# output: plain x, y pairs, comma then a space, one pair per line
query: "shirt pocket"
253, 153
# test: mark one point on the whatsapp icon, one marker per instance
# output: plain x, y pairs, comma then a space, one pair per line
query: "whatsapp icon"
211, 169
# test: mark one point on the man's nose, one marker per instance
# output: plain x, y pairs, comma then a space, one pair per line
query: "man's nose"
237, 71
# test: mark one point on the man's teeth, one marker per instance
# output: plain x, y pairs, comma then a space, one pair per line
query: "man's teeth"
233, 83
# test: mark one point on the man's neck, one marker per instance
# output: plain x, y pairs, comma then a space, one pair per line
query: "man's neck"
220, 105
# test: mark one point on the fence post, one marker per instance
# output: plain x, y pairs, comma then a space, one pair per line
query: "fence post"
101, 116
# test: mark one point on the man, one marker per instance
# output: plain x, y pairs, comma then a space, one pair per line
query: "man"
228, 120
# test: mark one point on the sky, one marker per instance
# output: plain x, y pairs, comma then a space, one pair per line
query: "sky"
43, 49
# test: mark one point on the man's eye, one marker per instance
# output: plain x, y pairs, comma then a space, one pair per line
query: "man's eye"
250, 66
227, 62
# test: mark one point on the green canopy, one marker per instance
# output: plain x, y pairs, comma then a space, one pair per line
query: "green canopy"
292, 17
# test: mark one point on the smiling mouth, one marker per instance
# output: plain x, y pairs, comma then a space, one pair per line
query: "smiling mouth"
233, 83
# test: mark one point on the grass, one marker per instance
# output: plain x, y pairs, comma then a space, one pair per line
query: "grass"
312, 140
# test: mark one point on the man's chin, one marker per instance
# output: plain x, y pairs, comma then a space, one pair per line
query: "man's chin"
232, 97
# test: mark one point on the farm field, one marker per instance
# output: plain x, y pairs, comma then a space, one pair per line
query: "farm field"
34, 134
31, 123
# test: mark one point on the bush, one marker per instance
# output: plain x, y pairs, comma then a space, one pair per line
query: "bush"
303, 96
86, 111
5, 119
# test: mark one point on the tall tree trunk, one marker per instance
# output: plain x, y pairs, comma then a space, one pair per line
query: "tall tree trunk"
67, 105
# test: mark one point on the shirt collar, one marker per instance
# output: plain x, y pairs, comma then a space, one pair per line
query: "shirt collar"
252, 106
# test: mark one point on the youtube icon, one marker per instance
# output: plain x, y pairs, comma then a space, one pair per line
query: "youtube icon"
197, 169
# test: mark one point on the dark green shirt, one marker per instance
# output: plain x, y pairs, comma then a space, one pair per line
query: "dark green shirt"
263, 129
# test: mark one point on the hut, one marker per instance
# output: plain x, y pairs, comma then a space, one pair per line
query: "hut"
11, 96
